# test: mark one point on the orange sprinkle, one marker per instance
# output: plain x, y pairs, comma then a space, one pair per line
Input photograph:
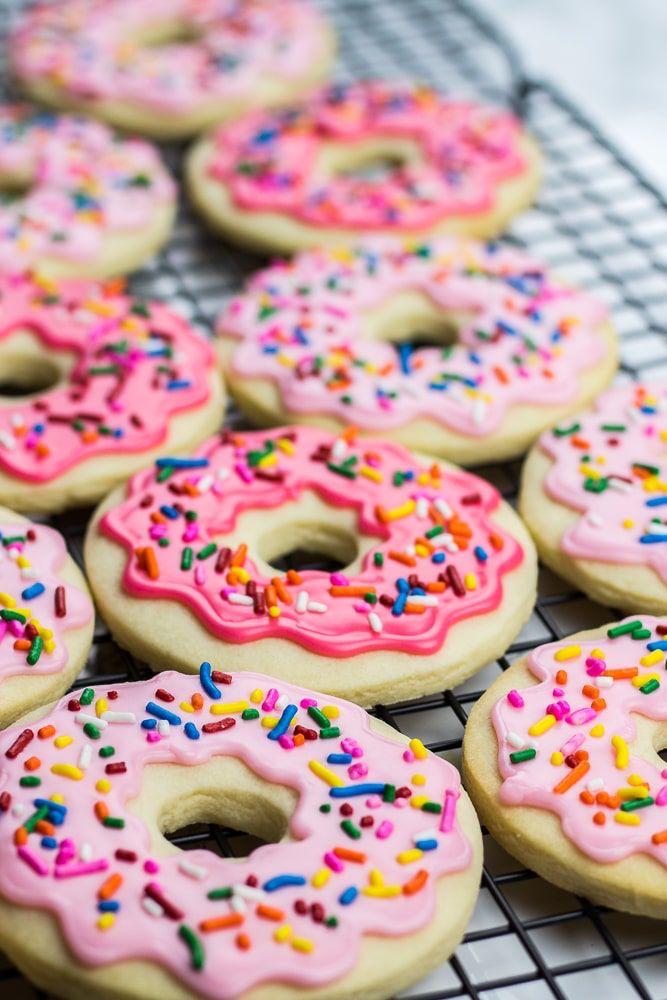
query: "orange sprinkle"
42, 450
221, 923
496, 541
351, 591
561, 677
345, 854
599, 704
239, 556
197, 701
414, 609
114, 286
350, 434
436, 516
21, 644
402, 557
599, 818
602, 798
32, 764
270, 596
579, 442
500, 374
243, 941
587, 797
45, 828
101, 811
660, 837
158, 518
435, 587
88, 437
299, 738
269, 912
416, 883
623, 674
425, 542
590, 692
281, 590
46, 732
294, 577
573, 777
581, 754
20, 836
614, 801
150, 562
190, 489
110, 887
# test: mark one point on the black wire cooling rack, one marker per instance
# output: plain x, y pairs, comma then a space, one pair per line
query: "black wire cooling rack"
603, 226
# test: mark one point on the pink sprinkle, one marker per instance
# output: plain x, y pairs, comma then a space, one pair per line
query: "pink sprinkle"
243, 472
67, 851
191, 533
448, 811
362, 607
3, 629
153, 736
572, 744
663, 773
270, 701
408, 756
373, 802
339, 580
226, 591
349, 745
82, 868
385, 829
308, 703
557, 693
37, 865
581, 716
200, 576
16, 628
515, 699
286, 742
400, 803
357, 771
594, 666
661, 797
152, 867
158, 530
334, 863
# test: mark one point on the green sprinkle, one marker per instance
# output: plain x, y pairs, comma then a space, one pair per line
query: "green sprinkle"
12, 616
318, 716
191, 515
433, 532
249, 713
519, 756
12, 538
642, 633
163, 543
614, 428
103, 370
195, 946
115, 822
399, 479
325, 808
370, 598
31, 823
164, 473
342, 470
331, 733
331, 921
225, 892
350, 829
140, 309
186, 558
30, 781
650, 686
207, 551
378, 559
596, 485
107, 751
624, 629
431, 807
35, 650
654, 470
389, 794
92, 731
563, 431
633, 804
86, 696
78, 425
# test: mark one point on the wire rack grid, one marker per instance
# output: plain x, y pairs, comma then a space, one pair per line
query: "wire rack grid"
603, 226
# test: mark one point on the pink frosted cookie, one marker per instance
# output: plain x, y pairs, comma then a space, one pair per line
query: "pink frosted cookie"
76, 200
113, 381
315, 340
594, 493
302, 176
436, 574
172, 68
367, 883
560, 761
46, 616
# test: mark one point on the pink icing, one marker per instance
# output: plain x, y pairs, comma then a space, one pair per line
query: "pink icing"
31, 558
88, 49
532, 782
268, 469
625, 522
342, 896
301, 325
137, 364
269, 161
86, 184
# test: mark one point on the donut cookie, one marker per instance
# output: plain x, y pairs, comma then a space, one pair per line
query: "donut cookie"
285, 180
368, 886
315, 341
593, 495
560, 759
172, 68
124, 379
76, 200
46, 616
437, 573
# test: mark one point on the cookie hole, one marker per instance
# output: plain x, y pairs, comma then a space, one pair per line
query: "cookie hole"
373, 161
26, 375
14, 187
168, 33
309, 546
412, 319
227, 833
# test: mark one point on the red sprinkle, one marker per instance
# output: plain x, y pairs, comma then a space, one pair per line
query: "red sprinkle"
19, 744
217, 727
164, 695
60, 602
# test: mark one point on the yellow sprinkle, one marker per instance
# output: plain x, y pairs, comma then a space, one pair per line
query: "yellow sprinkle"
286, 361
567, 653
557, 758
7, 600
62, 741
382, 891
229, 707
622, 752
417, 801
256, 696
285, 445
49, 646
331, 711
423, 479
101, 705
67, 771
638, 792
402, 511
302, 944
330, 777
46, 633
418, 749
470, 581
376, 877
268, 460
103, 786
543, 725
282, 934
274, 611
269, 721
369, 473
106, 921
651, 658
599, 654
60, 799
418, 779
628, 523
644, 679
627, 819
239, 574
23, 562
186, 706
407, 857
597, 730
320, 878
420, 550
636, 779
663, 435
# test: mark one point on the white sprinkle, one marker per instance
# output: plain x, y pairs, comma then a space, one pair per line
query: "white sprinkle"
85, 852
375, 622
431, 834
13, 554
619, 484
235, 598
317, 607
443, 507
338, 449
223, 473
412, 388
410, 550
426, 600
119, 717
301, 602
205, 483
447, 542
83, 719
17, 420
515, 740
237, 904
192, 870
595, 785
282, 702
163, 727
594, 519
421, 510
18, 809
28, 573
84, 756
7, 440
150, 906
248, 891
603, 682
478, 411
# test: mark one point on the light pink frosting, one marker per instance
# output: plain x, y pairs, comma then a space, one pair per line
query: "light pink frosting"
602, 736
626, 521
136, 365
32, 557
89, 49
527, 341
410, 798
270, 160
398, 500
86, 184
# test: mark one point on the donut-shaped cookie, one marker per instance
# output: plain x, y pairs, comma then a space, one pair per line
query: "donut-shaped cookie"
315, 340
561, 760
594, 493
76, 200
123, 378
169, 70
284, 180
437, 573
368, 885
46, 616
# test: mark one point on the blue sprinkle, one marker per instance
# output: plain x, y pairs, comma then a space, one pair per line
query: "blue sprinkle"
206, 681
33, 591
481, 553
438, 557
404, 351
652, 539
656, 502
426, 845
191, 731
399, 604
402, 585
181, 463
163, 713
339, 758
38, 428
149, 724
658, 644
419, 591
282, 725
54, 807
108, 906
169, 511
50, 843
348, 896
282, 881
351, 791
181, 383
408, 475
